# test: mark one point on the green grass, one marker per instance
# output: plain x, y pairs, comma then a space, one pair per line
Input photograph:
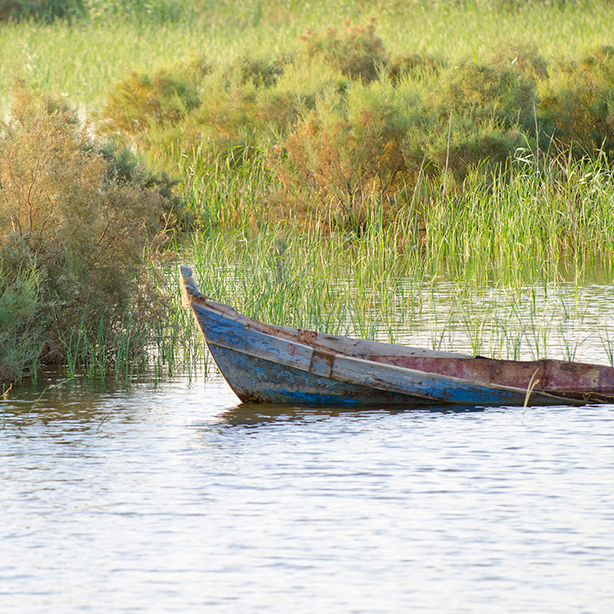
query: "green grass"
83, 58
552, 222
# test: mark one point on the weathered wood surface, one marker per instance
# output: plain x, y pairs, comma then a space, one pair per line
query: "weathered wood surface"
273, 364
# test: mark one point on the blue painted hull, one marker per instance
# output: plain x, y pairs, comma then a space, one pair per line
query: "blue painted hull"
262, 381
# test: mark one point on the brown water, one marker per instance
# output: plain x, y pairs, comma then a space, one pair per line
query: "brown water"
171, 497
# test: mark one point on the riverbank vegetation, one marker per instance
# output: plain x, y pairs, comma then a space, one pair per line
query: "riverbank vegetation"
78, 226
344, 131
422, 141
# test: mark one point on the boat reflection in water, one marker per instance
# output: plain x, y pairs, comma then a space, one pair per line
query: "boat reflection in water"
255, 414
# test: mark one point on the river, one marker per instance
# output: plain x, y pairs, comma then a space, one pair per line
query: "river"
169, 496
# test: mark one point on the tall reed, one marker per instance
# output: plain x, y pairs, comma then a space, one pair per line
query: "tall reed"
357, 286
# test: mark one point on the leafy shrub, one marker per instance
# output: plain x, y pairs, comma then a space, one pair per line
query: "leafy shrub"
491, 92
577, 104
231, 111
406, 65
140, 103
174, 110
523, 57
356, 50
341, 162
21, 326
262, 73
65, 212
459, 147
364, 154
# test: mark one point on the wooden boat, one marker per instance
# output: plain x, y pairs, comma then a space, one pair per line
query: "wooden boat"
276, 364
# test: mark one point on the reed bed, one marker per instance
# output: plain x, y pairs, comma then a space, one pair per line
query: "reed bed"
527, 222
342, 285
552, 221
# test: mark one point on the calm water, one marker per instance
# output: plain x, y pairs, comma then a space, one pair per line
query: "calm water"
173, 498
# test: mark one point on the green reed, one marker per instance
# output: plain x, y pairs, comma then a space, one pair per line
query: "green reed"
331, 284
549, 222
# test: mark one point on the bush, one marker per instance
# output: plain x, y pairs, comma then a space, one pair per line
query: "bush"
140, 103
493, 92
577, 104
66, 214
356, 51
342, 162
21, 326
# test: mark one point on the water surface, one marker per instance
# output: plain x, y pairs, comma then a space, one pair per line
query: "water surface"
172, 497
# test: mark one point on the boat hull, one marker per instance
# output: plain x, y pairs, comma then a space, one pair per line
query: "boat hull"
263, 368
256, 380
270, 364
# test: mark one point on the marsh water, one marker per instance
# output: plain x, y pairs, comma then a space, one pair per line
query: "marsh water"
168, 495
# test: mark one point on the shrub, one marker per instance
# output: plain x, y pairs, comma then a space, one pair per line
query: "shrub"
484, 144
523, 57
406, 65
262, 73
577, 104
343, 163
21, 326
176, 110
65, 212
140, 103
489, 92
355, 50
